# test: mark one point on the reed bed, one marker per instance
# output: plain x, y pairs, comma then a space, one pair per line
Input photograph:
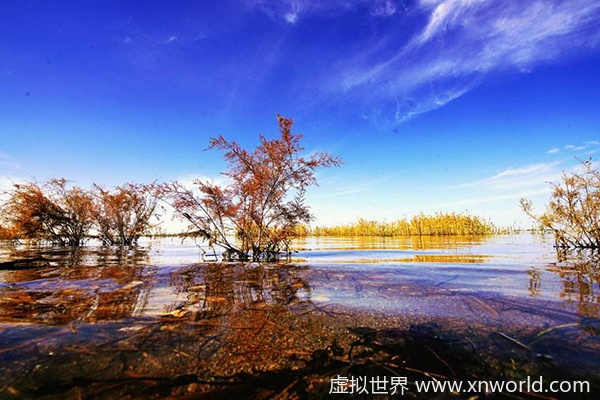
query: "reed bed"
440, 224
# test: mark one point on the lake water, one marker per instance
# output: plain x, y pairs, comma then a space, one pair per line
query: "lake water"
411, 273
500, 279
72, 319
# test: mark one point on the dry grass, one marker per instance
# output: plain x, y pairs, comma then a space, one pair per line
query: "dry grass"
419, 225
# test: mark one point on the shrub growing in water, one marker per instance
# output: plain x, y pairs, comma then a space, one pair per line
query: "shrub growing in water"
8, 233
51, 211
64, 215
573, 211
257, 213
123, 214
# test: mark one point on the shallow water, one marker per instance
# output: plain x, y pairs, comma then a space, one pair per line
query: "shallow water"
522, 267
424, 276
95, 319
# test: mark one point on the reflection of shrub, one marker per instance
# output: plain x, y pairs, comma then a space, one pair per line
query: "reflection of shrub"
573, 211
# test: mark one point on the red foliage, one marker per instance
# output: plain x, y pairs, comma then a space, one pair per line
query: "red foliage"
254, 215
50, 212
61, 215
123, 214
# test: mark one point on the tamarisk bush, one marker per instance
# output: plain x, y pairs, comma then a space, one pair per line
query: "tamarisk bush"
257, 213
123, 214
51, 211
68, 216
573, 211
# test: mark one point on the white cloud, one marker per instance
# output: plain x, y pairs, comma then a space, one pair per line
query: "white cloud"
500, 34
286, 10
518, 178
446, 14
553, 150
497, 195
586, 145
488, 199
8, 161
360, 187
6, 185
429, 103
527, 170
188, 180
462, 42
504, 187
291, 11
291, 18
384, 8
455, 46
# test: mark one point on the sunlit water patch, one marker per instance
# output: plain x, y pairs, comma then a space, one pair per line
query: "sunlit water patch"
463, 277
92, 321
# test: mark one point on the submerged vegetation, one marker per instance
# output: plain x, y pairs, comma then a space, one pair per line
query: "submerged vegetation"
419, 225
573, 212
107, 323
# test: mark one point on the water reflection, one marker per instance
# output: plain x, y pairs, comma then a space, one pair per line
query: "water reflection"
98, 284
211, 288
522, 266
388, 242
177, 326
87, 284
535, 282
580, 277
424, 275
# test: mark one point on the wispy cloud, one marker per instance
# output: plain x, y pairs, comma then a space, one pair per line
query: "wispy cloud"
291, 11
525, 180
8, 161
461, 42
384, 8
488, 199
503, 189
577, 148
591, 146
359, 187
151, 48
517, 178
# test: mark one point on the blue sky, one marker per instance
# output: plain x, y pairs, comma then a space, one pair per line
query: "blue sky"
434, 105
